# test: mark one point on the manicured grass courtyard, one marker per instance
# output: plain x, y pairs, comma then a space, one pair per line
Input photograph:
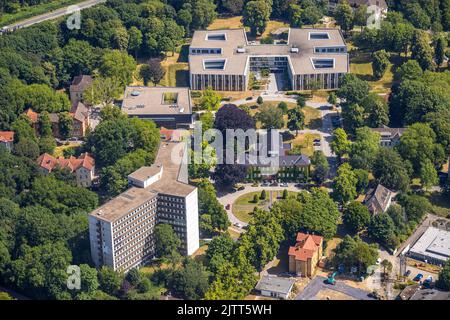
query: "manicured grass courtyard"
243, 206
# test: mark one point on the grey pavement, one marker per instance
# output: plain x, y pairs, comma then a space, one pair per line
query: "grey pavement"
317, 284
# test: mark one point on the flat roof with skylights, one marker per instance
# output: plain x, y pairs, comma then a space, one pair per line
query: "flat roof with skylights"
216, 37
301, 46
216, 64
323, 63
156, 101
319, 36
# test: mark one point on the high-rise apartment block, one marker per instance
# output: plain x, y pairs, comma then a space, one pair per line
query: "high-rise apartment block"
122, 230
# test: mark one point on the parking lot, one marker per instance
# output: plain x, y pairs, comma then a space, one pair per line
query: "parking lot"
317, 289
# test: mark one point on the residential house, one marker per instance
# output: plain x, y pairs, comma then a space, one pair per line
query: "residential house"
379, 200
305, 255
274, 161
414, 292
275, 287
389, 137
83, 167
7, 139
79, 113
77, 88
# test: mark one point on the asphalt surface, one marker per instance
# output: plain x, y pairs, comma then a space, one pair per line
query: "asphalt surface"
51, 15
317, 284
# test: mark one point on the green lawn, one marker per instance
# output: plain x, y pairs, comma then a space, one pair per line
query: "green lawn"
29, 12
177, 71
243, 206
304, 143
313, 118
361, 65
441, 204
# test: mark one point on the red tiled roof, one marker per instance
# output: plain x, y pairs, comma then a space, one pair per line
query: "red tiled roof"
6, 136
305, 248
166, 134
302, 236
84, 161
46, 161
32, 115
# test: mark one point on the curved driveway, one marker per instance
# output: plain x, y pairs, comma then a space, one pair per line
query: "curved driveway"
230, 198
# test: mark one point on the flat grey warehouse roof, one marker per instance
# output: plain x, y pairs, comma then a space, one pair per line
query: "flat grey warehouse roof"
434, 243
275, 284
237, 62
156, 101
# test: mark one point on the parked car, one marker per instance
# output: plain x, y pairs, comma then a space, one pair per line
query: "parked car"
255, 184
228, 206
407, 273
274, 184
378, 261
240, 188
238, 225
374, 295
284, 185
265, 184
428, 281
286, 274
418, 277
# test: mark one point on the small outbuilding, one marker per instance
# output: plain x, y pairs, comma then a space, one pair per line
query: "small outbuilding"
275, 287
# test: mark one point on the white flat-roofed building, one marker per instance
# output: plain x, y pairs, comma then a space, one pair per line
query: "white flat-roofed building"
121, 230
168, 107
433, 246
223, 59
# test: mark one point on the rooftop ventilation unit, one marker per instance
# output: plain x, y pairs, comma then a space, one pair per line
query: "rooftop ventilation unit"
294, 50
140, 106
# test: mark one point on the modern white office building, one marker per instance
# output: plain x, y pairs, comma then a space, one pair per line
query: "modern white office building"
224, 59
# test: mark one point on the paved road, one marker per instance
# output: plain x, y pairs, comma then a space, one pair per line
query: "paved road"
229, 198
51, 15
317, 284
14, 294
325, 131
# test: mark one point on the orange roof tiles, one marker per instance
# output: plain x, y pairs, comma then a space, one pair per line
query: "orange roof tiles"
6, 136
32, 115
48, 162
305, 248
